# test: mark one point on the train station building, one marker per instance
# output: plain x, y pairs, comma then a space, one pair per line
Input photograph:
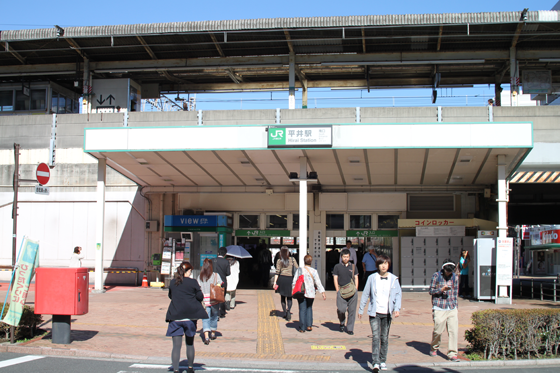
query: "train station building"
144, 190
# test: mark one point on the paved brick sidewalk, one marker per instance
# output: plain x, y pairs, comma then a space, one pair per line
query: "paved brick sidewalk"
129, 322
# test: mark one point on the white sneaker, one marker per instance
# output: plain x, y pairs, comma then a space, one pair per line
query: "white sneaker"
375, 368
383, 366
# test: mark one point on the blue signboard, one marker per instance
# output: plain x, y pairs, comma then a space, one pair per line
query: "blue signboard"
206, 256
196, 221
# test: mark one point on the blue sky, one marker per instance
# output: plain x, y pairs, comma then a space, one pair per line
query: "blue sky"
41, 14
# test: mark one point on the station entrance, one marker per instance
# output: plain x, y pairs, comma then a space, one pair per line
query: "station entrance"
253, 271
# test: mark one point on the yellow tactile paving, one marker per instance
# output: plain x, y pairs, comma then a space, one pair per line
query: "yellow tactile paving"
268, 333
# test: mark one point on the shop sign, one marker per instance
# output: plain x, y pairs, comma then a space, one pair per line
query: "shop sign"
372, 233
300, 136
262, 233
550, 236
196, 221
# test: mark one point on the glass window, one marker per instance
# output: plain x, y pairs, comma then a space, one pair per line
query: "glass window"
341, 241
277, 221
38, 99
54, 102
22, 101
388, 221
296, 221
288, 240
335, 221
61, 104
355, 240
275, 240
330, 240
7, 100
249, 221
76, 107
360, 221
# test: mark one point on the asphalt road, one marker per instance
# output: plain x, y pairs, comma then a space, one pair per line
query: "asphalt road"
20, 363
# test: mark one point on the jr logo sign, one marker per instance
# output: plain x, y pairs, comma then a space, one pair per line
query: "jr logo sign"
276, 136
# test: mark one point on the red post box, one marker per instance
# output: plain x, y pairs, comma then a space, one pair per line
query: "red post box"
61, 291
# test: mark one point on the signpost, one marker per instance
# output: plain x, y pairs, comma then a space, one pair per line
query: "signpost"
43, 174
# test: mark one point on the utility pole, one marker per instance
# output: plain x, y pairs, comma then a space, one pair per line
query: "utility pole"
14, 217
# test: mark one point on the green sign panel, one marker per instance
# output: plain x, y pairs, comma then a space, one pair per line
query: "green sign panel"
300, 137
262, 233
372, 233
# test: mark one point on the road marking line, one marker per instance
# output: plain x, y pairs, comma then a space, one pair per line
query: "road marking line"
206, 368
20, 360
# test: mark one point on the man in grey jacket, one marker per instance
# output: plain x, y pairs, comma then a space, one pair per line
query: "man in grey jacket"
384, 293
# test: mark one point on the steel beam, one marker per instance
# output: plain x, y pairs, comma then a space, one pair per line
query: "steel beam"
220, 51
146, 47
183, 64
9, 49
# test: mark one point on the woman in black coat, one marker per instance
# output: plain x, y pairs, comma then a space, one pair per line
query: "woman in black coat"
183, 312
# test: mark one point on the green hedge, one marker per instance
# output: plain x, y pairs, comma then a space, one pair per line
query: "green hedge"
27, 325
515, 333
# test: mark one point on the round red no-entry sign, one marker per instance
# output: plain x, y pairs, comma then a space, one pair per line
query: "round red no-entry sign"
43, 174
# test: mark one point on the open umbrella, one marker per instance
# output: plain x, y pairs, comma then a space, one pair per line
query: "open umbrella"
238, 252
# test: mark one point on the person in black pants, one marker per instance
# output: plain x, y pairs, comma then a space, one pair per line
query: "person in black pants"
369, 263
183, 312
222, 267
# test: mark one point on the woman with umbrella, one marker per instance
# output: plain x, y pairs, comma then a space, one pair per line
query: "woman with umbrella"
234, 252
183, 312
232, 281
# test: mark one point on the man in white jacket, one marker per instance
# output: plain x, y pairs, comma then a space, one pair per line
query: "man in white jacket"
384, 293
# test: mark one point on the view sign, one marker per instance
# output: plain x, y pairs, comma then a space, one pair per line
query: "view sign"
300, 137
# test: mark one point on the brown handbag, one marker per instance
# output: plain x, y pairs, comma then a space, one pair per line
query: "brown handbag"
217, 294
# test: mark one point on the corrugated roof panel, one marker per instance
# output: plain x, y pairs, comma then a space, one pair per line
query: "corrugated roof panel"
288, 23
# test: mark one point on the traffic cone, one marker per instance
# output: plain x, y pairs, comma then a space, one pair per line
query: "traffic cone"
145, 281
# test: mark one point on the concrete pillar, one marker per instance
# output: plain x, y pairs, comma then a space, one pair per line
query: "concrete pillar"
498, 90
302, 208
100, 224
304, 94
292, 82
502, 197
85, 90
514, 76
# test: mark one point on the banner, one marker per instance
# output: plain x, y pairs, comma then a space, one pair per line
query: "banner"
28, 261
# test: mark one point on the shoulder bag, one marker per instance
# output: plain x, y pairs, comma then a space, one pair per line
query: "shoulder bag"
217, 293
299, 288
348, 290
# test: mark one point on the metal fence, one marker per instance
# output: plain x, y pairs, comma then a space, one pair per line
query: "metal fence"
537, 289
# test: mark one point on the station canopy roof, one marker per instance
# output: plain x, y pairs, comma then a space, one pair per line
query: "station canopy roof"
376, 51
361, 157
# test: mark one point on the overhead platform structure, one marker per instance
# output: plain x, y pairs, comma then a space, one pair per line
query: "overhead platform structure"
358, 52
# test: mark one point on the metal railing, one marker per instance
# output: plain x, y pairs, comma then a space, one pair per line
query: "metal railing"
538, 289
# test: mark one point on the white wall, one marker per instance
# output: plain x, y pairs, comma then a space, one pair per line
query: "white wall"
62, 221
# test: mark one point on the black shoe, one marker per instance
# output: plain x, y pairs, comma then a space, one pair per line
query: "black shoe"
342, 328
213, 336
350, 333
206, 341
190, 370
288, 316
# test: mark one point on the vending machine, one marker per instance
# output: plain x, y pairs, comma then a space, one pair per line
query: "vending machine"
484, 265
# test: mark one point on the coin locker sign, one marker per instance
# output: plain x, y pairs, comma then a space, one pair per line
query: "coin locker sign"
300, 137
